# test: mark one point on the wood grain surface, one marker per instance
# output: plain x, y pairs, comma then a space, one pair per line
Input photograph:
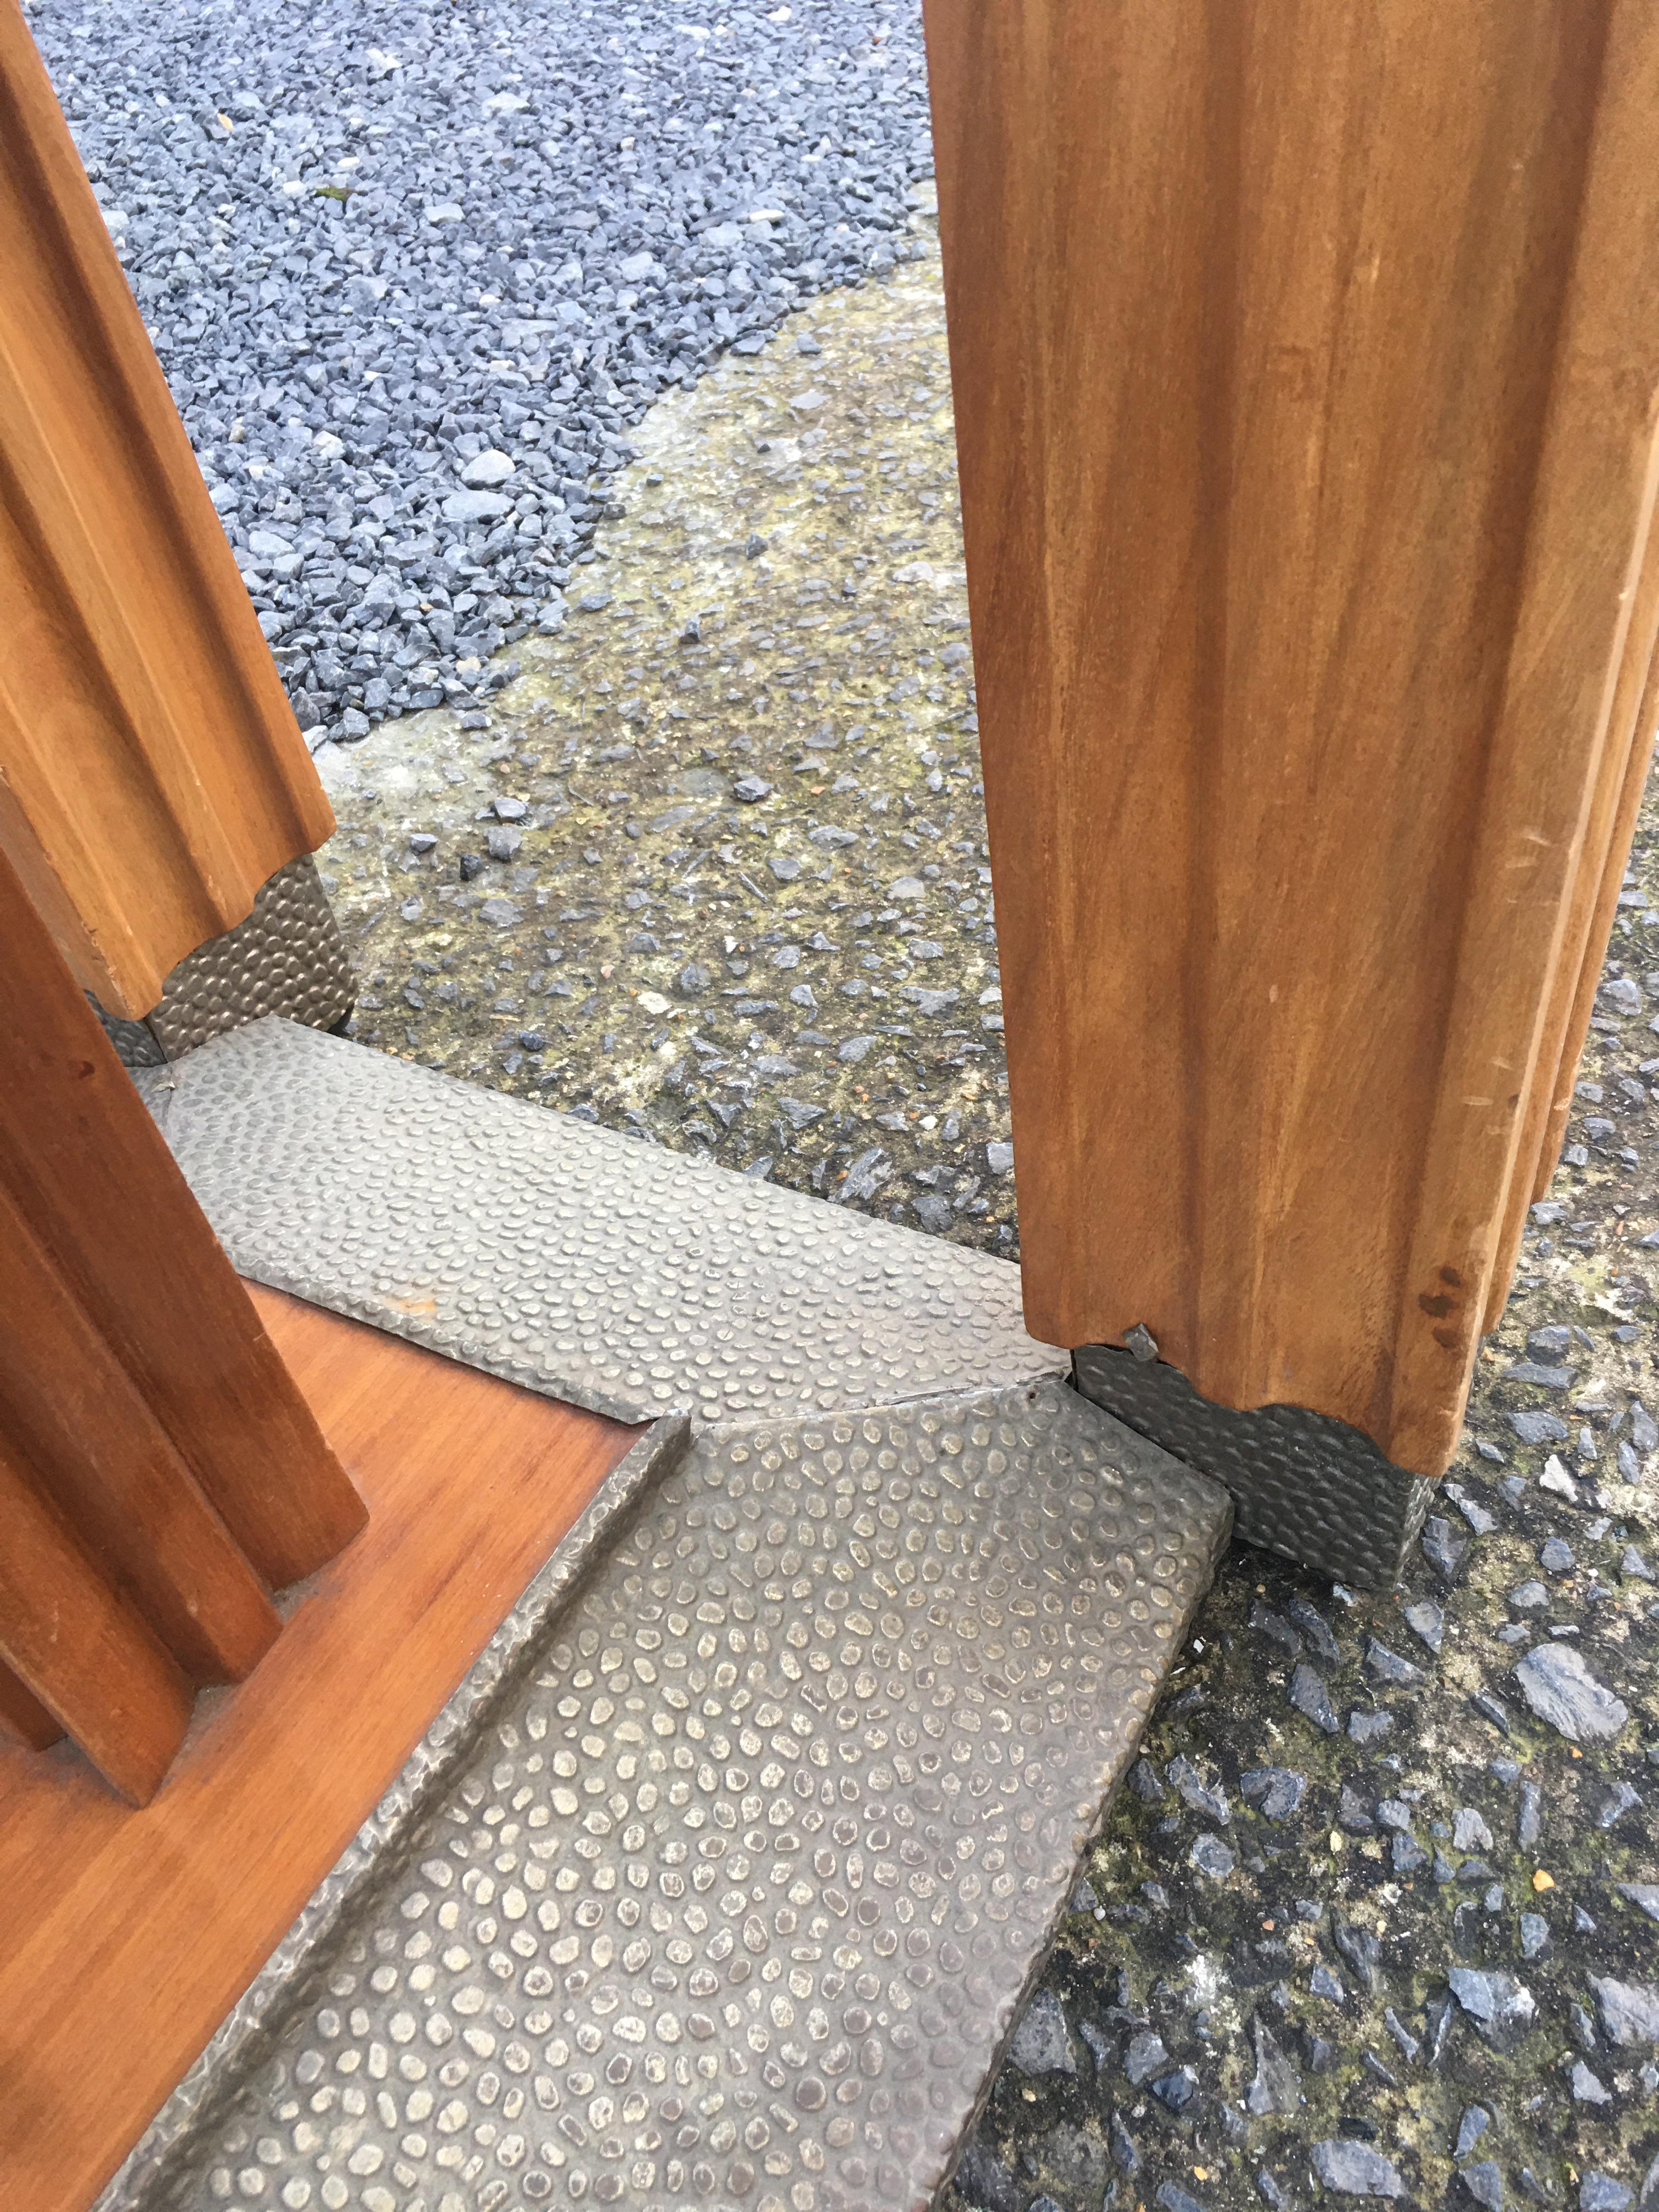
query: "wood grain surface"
24, 1717
1305, 362
152, 775
92, 1179
76, 1639
130, 1934
77, 1423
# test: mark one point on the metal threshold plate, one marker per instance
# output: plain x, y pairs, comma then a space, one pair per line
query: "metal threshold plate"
597, 1268
736, 1893
728, 1890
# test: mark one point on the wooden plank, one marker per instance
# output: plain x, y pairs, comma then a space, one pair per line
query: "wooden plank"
91, 1175
24, 1715
1305, 379
152, 776
80, 1646
95, 1449
129, 1936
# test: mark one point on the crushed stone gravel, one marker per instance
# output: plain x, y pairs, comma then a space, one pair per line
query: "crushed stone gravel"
414, 270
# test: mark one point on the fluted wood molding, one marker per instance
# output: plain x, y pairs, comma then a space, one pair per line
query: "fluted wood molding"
160, 1473
152, 776
1305, 365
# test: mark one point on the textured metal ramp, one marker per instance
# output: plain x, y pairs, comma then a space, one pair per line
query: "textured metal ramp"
735, 1897
593, 1267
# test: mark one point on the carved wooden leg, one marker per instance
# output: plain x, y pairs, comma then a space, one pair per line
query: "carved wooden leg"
1306, 373
160, 1472
152, 776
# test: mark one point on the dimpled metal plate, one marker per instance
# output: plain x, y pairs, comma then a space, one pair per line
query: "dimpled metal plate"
287, 958
1304, 1484
436, 1762
595, 1268
738, 1899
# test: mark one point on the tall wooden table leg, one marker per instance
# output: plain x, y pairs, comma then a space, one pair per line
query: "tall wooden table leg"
152, 779
1305, 365
160, 1473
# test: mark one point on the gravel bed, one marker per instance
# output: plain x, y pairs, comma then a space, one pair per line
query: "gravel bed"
713, 867
414, 270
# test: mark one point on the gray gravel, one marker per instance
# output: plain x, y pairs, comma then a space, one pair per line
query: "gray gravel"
413, 271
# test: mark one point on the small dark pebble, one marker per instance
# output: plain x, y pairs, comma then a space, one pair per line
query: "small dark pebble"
1442, 1548
1144, 2055
1176, 2089
1314, 1625
1126, 2152
1276, 1792
1473, 2124
1309, 1694
1146, 1782
1354, 2169
1426, 1619
1602, 2192
1383, 1665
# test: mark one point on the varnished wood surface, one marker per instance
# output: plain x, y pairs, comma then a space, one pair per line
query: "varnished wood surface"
1304, 364
75, 1420
100, 1195
152, 776
162, 1472
24, 1715
77, 1641
130, 1933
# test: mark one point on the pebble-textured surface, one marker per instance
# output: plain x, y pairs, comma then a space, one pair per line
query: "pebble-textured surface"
1302, 1483
287, 958
436, 1762
739, 1894
558, 1255
414, 270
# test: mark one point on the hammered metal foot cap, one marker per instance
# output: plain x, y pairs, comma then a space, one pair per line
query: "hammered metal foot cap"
1304, 1484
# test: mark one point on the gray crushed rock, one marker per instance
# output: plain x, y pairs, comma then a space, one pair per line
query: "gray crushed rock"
1629, 2011
1354, 2169
1561, 1690
414, 272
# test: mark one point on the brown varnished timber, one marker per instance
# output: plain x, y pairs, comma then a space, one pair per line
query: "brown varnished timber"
152, 776
23, 1713
91, 1177
76, 1423
81, 1647
130, 1934
1304, 370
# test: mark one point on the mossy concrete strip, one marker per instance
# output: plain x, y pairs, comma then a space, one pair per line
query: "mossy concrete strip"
715, 867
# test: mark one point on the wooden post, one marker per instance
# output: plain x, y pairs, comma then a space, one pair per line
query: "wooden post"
1305, 363
160, 1473
152, 776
